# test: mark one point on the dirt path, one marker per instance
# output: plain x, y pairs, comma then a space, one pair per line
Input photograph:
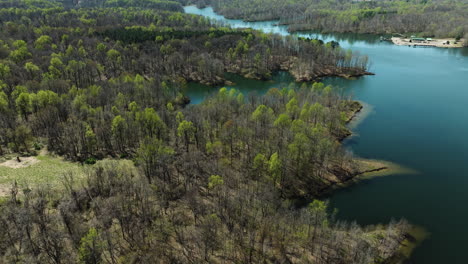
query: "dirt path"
4, 190
25, 162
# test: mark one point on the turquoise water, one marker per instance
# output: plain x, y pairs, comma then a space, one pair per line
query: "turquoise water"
197, 92
419, 119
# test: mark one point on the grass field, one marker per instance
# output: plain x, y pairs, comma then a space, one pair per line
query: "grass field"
48, 170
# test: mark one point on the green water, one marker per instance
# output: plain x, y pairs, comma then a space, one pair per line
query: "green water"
419, 119
197, 92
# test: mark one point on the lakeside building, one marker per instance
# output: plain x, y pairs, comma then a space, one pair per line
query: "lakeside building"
417, 40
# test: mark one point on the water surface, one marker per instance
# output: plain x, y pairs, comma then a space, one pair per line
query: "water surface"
419, 98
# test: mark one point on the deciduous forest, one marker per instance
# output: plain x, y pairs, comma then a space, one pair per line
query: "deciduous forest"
101, 83
428, 18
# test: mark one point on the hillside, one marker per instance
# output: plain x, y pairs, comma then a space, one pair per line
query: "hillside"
100, 86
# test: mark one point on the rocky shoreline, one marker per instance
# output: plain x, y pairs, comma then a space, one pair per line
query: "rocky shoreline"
299, 75
407, 238
342, 175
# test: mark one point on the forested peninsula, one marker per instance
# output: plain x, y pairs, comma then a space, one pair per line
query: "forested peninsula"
427, 18
98, 86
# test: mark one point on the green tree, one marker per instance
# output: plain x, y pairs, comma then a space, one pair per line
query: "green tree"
21, 138
31, 68
3, 102
166, 49
113, 55
20, 54
260, 166
151, 123
318, 211
46, 98
23, 104
91, 140
91, 248
17, 44
154, 156
292, 108
4, 71
70, 51
101, 47
56, 68
186, 130
42, 42
258, 61
115, 58
119, 131
263, 117
283, 121
263, 114
275, 168
214, 181
298, 151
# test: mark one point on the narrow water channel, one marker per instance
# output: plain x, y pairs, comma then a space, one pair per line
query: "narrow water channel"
419, 119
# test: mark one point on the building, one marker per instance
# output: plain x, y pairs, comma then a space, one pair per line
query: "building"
418, 40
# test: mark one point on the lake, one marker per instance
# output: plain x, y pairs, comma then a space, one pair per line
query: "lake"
419, 119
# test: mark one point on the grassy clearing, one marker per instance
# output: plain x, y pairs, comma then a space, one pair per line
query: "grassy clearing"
48, 170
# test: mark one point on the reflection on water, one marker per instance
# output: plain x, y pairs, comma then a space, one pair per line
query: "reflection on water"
197, 92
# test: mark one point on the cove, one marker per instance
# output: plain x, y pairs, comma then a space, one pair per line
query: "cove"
419, 119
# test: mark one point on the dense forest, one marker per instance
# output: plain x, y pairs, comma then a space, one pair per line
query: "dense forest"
439, 18
101, 83
211, 185
68, 71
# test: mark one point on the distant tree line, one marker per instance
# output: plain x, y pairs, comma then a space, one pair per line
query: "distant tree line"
439, 18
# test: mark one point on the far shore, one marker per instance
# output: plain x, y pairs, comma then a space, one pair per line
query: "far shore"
429, 42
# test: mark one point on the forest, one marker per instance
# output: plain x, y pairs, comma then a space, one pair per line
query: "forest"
427, 18
101, 84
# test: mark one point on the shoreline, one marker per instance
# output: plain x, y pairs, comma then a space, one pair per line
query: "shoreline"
344, 175
369, 169
318, 76
366, 168
277, 22
428, 42
309, 77
412, 239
